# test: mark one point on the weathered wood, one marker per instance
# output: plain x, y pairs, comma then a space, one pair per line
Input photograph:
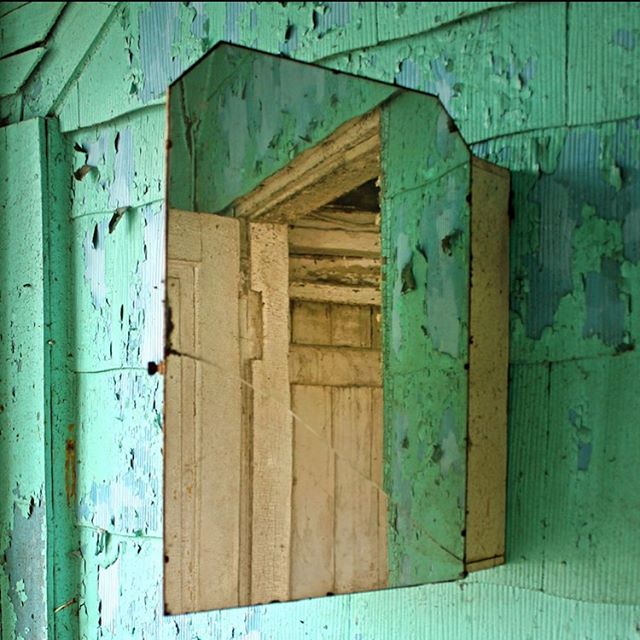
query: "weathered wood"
340, 270
335, 366
311, 406
356, 530
313, 513
203, 405
336, 242
335, 294
341, 162
310, 322
351, 325
352, 426
488, 365
272, 422
335, 217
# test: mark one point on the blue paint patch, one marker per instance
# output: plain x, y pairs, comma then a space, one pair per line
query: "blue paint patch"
451, 458
584, 455
233, 13
409, 75
444, 84
95, 273
123, 169
561, 195
625, 39
445, 291
160, 65
26, 572
330, 16
200, 22
605, 311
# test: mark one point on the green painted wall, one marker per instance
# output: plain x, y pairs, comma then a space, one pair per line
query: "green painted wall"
548, 90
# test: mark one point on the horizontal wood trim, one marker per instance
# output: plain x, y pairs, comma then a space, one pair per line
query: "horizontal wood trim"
335, 218
334, 366
335, 294
346, 159
353, 270
333, 242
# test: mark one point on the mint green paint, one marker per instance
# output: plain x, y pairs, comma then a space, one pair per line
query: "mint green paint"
498, 72
23, 393
27, 25
278, 108
572, 407
425, 243
77, 26
14, 70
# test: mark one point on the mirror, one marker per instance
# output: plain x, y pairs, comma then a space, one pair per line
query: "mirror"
335, 379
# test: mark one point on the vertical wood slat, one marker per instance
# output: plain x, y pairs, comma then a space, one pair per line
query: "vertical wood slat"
203, 415
272, 423
488, 364
356, 530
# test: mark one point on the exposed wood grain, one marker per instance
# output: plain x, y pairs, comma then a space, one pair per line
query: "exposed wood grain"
312, 406
356, 533
219, 439
336, 242
377, 438
335, 294
332, 217
338, 164
312, 526
202, 415
310, 322
488, 364
352, 425
336, 366
272, 423
350, 325
340, 270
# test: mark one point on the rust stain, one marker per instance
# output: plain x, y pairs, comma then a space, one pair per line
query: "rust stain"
70, 466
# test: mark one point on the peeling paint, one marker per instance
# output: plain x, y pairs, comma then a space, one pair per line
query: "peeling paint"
548, 90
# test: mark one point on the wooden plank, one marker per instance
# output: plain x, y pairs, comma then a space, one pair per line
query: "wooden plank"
340, 270
377, 438
272, 423
202, 435
352, 424
14, 70
356, 530
350, 325
376, 328
488, 364
312, 541
332, 217
27, 25
186, 237
311, 406
343, 161
336, 366
335, 242
310, 323
219, 451
383, 561
335, 294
